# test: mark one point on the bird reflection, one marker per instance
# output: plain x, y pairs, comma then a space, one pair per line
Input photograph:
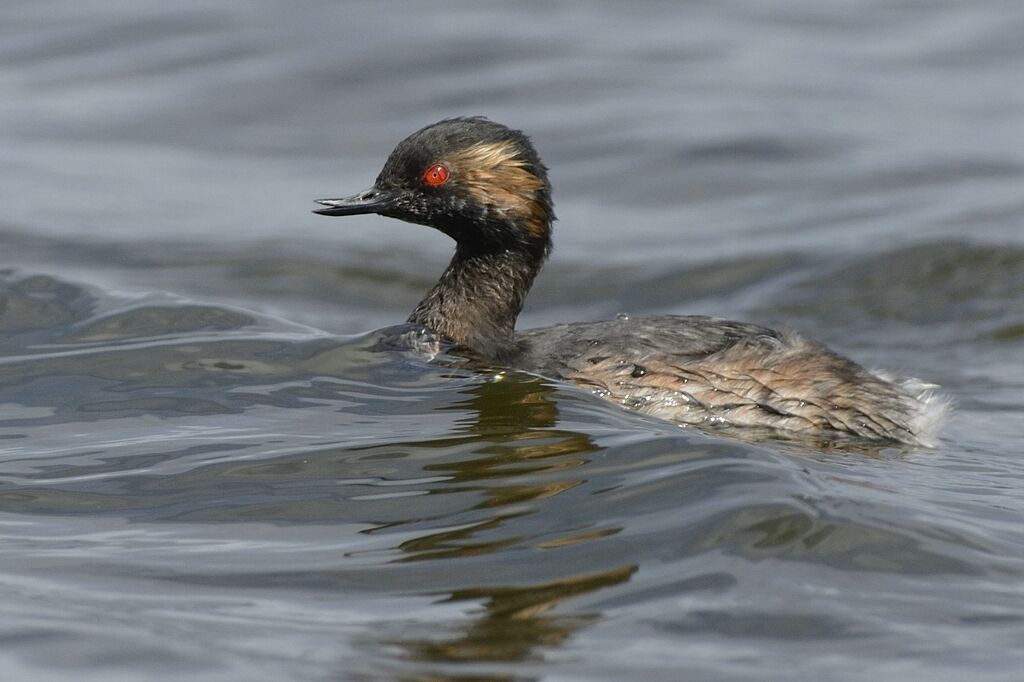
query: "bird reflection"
515, 621
521, 459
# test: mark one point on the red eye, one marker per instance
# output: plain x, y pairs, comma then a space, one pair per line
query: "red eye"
435, 176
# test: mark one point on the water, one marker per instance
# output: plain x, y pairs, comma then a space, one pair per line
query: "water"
209, 469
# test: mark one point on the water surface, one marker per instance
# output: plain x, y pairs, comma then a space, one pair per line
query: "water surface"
210, 467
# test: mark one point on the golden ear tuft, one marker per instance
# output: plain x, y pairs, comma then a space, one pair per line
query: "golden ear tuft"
495, 175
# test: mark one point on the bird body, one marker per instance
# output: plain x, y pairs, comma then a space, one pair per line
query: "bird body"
484, 185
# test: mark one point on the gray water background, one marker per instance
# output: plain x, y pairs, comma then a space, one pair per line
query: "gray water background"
204, 475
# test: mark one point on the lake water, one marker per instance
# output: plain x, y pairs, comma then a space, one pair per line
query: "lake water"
208, 471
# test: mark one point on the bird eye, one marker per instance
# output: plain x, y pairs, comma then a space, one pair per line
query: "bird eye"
435, 175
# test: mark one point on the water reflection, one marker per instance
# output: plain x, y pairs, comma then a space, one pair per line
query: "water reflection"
515, 621
521, 459
518, 458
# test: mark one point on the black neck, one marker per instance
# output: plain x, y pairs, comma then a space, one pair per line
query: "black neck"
478, 298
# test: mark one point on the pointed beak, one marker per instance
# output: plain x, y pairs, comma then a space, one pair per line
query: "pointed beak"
368, 201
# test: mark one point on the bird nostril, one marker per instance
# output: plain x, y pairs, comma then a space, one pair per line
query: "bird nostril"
369, 194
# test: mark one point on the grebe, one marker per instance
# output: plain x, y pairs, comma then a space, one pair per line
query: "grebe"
483, 185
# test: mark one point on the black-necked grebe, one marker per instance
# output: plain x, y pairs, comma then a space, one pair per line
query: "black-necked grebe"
484, 186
